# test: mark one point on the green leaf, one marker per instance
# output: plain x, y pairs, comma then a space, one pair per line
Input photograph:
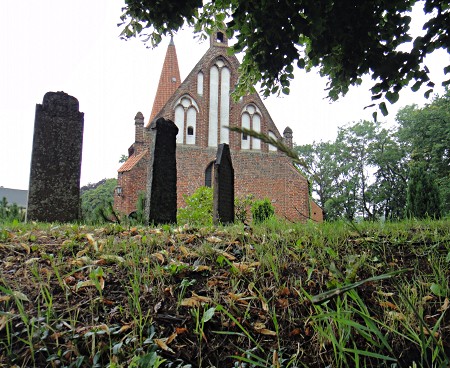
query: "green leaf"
286, 90
20, 296
427, 93
437, 289
416, 86
392, 97
330, 294
208, 314
383, 108
377, 97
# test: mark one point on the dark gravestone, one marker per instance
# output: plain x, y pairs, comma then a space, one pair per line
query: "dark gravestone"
54, 190
223, 202
161, 208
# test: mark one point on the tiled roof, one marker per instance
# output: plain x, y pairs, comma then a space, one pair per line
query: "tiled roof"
168, 81
131, 162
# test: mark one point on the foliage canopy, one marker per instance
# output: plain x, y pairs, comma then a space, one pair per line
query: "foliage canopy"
374, 172
343, 39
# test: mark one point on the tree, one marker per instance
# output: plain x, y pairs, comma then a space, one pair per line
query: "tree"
10, 212
425, 134
423, 194
343, 39
96, 198
389, 158
324, 172
362, 173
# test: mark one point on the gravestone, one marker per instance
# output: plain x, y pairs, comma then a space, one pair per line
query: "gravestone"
54, 189
223, 199
161, 208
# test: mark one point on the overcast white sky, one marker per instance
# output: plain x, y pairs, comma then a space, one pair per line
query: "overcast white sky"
74, 46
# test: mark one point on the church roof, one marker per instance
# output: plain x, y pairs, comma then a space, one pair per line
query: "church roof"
131, 162
168, 81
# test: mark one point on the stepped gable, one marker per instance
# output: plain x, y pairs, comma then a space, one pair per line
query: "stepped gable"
189, 86
202, 107
169, 80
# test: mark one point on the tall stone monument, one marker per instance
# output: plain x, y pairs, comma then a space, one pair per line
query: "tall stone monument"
223, 197
161, 206
54, 189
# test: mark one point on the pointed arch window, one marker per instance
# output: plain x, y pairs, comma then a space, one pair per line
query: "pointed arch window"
185, 112
219, 103
250, 119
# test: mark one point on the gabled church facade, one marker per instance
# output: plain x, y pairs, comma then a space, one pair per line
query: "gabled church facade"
202, 108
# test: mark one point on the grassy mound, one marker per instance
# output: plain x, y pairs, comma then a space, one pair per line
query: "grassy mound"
272, 295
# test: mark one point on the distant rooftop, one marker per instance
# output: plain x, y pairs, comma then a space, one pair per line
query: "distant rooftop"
17, 196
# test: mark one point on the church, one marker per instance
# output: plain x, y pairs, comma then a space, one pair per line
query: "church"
202, 109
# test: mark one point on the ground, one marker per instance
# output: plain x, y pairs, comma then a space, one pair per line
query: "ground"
133, 296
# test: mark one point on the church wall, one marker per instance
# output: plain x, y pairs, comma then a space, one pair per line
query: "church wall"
265, 175
316, 212
260, 172
132, 182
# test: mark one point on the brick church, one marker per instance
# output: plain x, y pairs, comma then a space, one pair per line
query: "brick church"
202, 108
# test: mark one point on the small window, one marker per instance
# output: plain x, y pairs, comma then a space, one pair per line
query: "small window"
219, 37
190, 130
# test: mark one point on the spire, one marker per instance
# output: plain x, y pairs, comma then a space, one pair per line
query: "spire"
168, 81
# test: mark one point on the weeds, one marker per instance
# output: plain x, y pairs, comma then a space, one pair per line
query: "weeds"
270, 295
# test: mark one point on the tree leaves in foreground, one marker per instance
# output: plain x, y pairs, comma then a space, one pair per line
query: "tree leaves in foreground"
344, 40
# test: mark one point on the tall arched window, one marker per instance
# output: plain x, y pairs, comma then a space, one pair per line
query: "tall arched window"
250, 119
219, 103
186, 119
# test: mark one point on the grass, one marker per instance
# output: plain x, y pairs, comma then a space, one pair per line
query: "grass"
273, 295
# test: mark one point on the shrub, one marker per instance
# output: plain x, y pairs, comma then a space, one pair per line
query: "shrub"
241, 206
423, 194
198, 209
262, 210
10, 212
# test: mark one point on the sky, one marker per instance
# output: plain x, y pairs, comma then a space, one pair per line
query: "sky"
74, 46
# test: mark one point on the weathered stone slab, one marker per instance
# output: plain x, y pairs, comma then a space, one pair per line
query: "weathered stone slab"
161, 208
223, 201
54, 189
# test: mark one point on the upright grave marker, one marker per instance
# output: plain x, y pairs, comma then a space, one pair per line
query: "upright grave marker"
223, 200
161, 206
54, 189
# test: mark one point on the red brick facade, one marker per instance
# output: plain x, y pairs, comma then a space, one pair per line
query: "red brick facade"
200, 106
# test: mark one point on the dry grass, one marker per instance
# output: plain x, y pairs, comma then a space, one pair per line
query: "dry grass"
79, 296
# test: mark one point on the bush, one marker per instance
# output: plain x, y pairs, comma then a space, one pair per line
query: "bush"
10, 212
198, 209
97, 201
241, 206
262, 210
